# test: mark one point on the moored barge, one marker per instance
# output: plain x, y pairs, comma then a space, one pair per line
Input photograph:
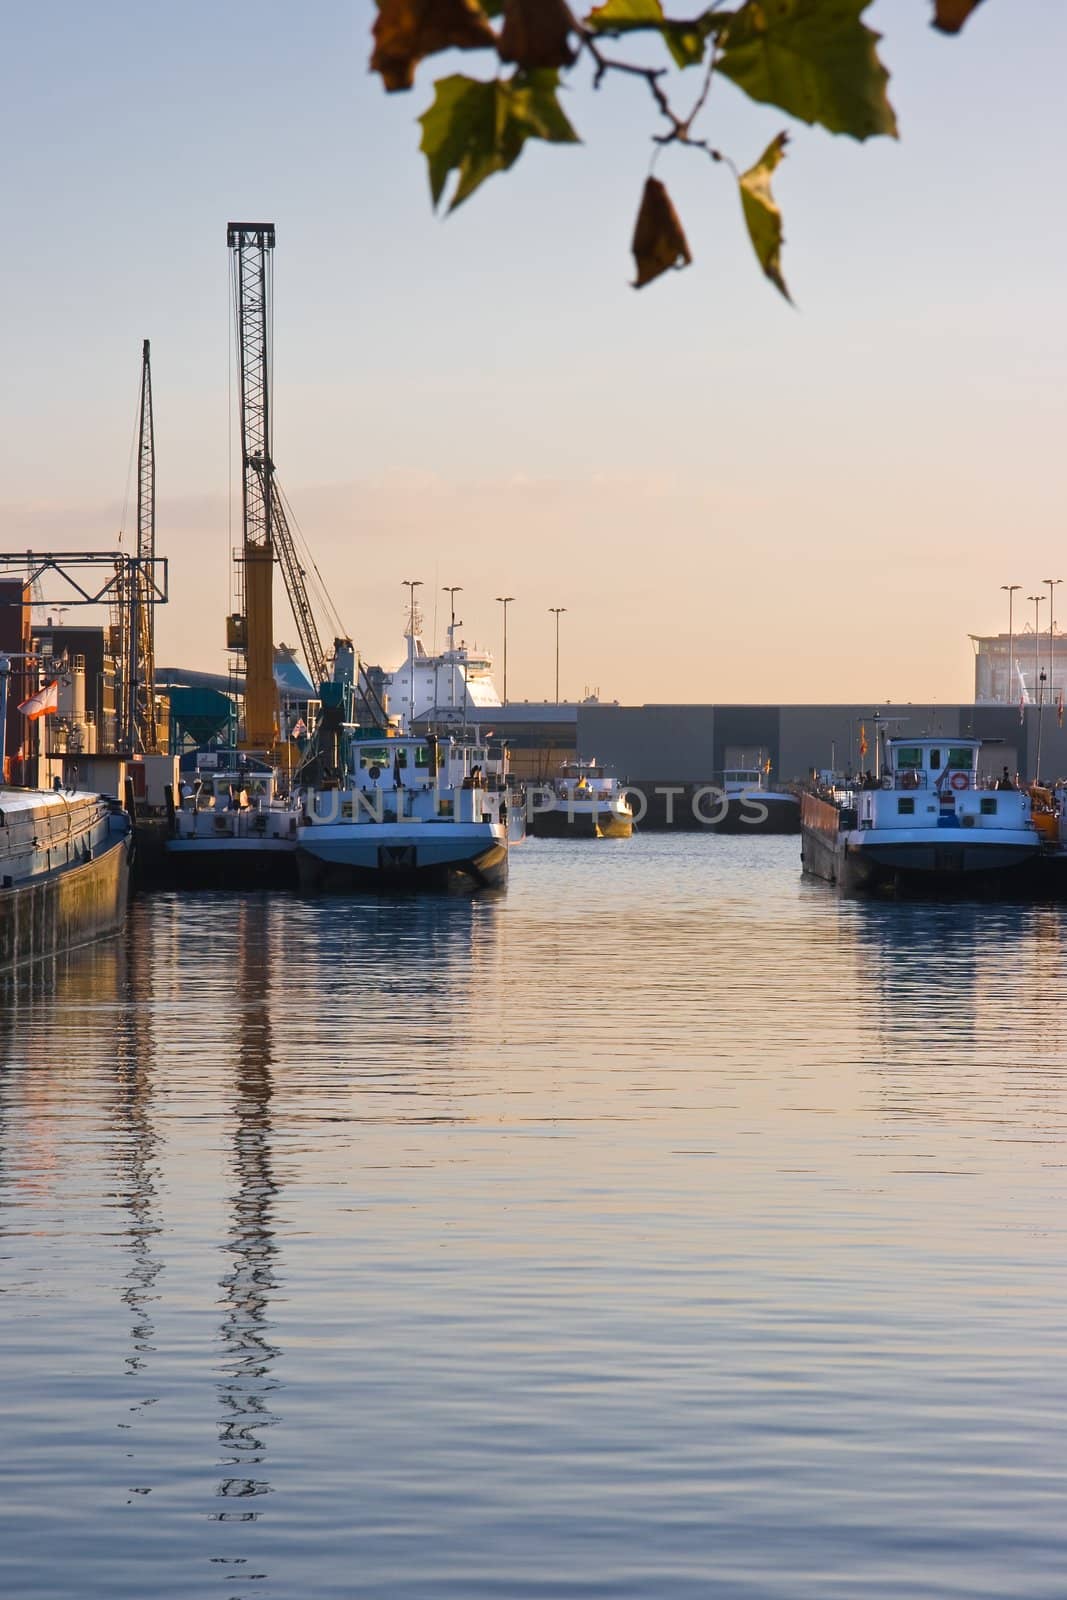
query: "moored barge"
64, 871
928, 825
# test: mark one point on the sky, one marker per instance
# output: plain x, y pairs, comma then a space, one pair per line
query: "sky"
732, 498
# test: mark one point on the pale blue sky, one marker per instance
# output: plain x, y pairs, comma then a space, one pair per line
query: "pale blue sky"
732, 499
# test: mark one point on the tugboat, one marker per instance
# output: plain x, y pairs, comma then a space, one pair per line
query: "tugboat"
399, 813
747, 807
585, 802
232, 828
929, 825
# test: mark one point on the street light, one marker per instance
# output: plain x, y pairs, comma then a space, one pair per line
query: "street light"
505, 601
1010, 696
1040, 710
411, 584
1051, 582
557, 612
1037, 599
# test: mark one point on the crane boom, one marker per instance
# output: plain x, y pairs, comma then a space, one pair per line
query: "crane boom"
296, 589
251, 632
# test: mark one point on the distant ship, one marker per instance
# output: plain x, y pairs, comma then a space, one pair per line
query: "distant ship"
748, 807
451, 689
586, 802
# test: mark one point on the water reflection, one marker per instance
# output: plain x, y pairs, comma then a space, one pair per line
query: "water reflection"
247, 1386
137, 1144
667, 1228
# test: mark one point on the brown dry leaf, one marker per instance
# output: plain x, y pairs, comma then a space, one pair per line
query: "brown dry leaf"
407, 30
537, 33
659, 241
950, 15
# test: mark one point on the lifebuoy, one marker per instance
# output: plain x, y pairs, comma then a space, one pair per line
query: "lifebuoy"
960, 780
910, 780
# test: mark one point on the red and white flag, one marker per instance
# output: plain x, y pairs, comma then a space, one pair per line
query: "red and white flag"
43, 703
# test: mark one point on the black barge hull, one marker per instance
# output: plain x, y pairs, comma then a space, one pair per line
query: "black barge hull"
44, 916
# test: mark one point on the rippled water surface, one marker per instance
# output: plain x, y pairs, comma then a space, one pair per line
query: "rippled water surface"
666, 1227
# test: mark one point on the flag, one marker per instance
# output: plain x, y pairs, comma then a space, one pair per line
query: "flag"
299, 729
1059, 709
767, 766
43, 703
863, 741
1022, 708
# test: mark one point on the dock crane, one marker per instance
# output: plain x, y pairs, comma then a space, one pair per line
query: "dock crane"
135, 594
143, 687
250, 630
267, 534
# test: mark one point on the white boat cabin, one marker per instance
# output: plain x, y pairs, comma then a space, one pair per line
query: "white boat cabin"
414, 779
584, 779
741, 780
936, 783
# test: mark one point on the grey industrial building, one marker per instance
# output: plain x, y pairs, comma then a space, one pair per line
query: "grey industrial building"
694, 743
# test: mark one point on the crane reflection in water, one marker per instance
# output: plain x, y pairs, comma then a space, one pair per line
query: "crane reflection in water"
247, 1386
139, 1151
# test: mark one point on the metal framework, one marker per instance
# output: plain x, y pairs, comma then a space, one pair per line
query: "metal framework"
251, 244
65, 564
128, 584
142, 689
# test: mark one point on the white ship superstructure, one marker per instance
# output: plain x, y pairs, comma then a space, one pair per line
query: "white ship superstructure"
453, 687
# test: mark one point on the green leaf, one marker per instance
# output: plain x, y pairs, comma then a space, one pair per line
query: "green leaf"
476, 129
762, 216
624, 16
686, 41
813, 58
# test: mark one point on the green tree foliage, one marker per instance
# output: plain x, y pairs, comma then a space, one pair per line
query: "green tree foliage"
815, 60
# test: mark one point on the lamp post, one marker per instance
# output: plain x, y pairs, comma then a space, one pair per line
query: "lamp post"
5, 674
411, 584
1051, 582
557, 612
505, 601
1037, 599
1010, 589
452, 589
1040, 697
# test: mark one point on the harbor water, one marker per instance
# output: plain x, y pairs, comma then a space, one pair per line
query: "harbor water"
665, 1227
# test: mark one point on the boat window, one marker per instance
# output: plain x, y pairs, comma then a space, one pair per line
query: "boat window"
907, 755
961, 756
989, 805
378, 757
906, 806
935, 760
422, 756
